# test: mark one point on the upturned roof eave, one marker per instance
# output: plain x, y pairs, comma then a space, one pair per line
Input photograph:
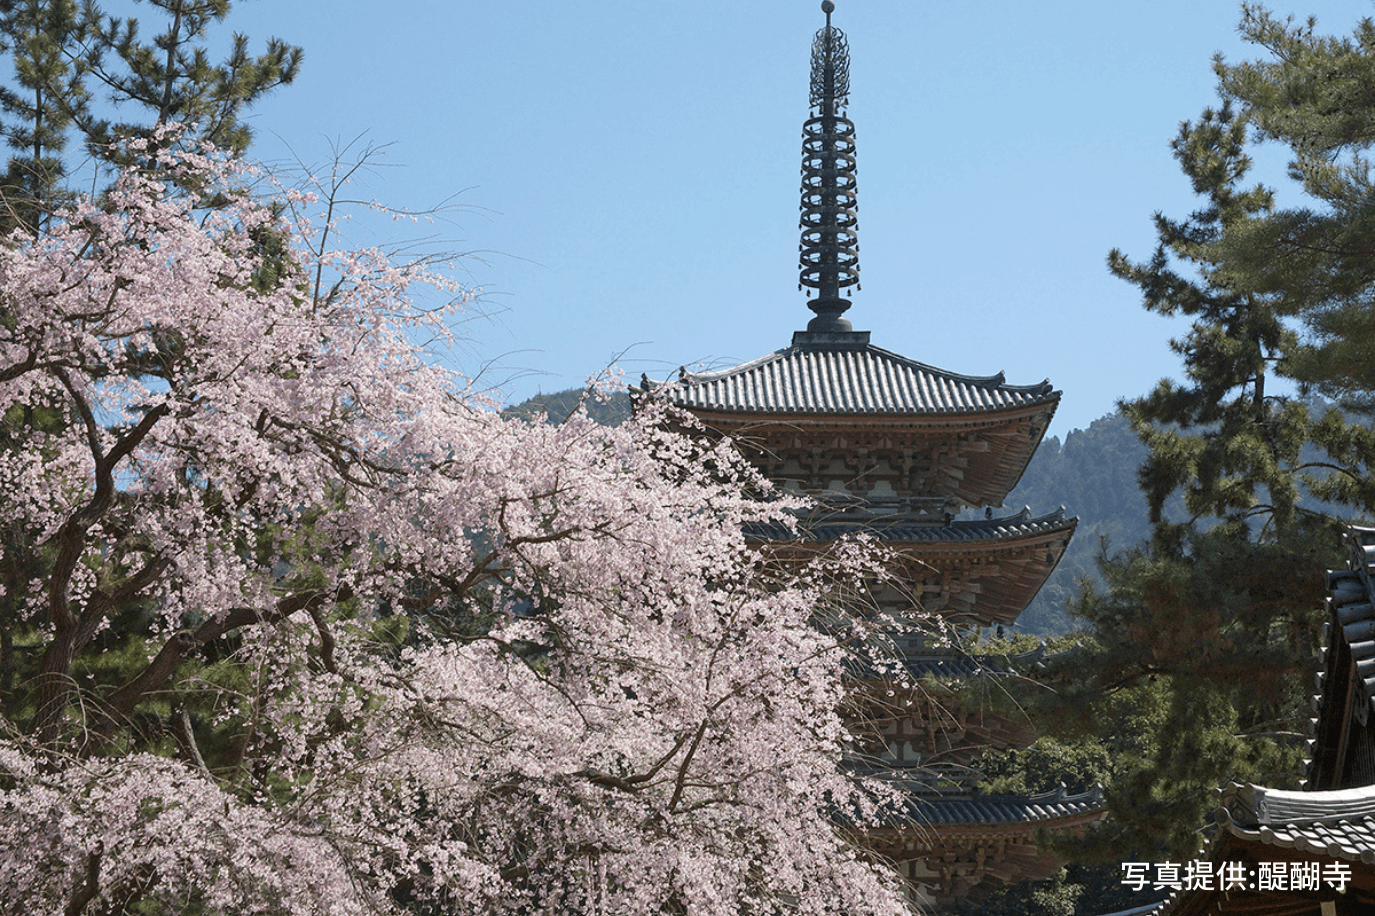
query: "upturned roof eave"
869, 403
1254, 816
1248, 807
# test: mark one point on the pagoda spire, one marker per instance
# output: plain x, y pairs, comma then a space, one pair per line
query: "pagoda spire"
829, 252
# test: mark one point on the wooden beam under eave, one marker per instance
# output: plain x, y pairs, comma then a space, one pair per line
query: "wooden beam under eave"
1001, 443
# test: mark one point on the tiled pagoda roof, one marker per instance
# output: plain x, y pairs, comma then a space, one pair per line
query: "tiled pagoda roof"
852, 377
899, 529
1006, 528
924, 808
952, 663
948, 662
1009, 557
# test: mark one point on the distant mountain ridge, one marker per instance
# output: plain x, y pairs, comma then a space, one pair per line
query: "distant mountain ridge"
560, 405
1093, 475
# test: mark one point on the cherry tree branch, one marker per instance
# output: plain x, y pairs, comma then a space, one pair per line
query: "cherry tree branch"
89, 885
176, 649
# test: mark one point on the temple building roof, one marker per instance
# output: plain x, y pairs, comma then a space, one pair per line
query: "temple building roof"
1342, 751
853, 378
1262, 825
1339, 823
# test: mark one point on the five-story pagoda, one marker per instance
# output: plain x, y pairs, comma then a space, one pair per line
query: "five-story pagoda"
897, 448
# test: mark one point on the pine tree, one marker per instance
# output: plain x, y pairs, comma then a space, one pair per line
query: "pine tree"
76, 66
1313, 95
61, 51
48, 95
1204, 636
1202, 639
172, 78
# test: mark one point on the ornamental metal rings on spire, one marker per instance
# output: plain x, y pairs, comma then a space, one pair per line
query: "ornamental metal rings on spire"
829, 251
830, 66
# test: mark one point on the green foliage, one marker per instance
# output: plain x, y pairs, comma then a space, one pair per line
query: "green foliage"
1046, 765
172, 78
1072, 891
1313, 96
1053, 897
1203, 635
1076, 890
60, 51
48, 94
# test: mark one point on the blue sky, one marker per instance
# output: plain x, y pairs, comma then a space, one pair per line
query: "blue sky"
628, 171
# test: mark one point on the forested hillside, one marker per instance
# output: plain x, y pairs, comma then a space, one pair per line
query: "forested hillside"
558, 406
1093, 475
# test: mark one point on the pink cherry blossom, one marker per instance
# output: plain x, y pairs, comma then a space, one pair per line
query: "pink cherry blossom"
406, 654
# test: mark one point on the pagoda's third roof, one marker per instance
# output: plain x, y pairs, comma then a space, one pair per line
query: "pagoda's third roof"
895, 529
862, 379
942, 809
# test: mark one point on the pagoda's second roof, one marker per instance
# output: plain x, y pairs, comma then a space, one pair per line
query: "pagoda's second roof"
954, 662
946, 663
851, 379
942, 662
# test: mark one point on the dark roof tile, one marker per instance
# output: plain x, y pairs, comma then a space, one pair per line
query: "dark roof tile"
860, 379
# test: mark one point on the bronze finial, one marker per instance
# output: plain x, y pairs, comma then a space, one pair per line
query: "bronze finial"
829, 259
